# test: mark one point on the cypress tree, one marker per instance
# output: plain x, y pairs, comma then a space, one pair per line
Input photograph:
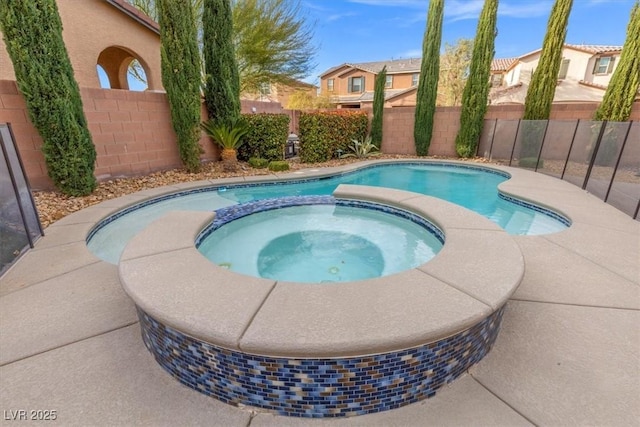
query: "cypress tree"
542, 87
428, 85
181, 75
476, 90
623, 86
33, 35
378, 107
222, 82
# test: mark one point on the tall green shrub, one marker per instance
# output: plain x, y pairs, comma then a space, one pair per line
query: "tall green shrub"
428, 84
266, 138
181, 75
33, 35
222, 83
623, 86
476, 90
324, 135
542, 87
378, 107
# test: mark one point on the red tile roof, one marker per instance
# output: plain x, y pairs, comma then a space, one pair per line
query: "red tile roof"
502, 64
594, 48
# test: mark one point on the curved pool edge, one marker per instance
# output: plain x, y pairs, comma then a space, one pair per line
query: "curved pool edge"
152, 196
435, 321
178, 286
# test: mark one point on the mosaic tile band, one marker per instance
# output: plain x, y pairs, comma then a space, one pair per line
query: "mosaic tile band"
233, 212
327, 387
215, 188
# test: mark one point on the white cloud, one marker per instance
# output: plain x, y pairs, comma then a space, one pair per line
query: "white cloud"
458, 10
338, 16
394, 3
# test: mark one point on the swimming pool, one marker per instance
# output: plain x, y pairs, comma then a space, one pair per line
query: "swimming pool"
472, 187
318, 239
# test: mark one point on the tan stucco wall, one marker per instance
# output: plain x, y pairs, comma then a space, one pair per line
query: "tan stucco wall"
401, 81
89, 27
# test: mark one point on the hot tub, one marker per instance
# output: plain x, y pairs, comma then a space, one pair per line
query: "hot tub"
339, 349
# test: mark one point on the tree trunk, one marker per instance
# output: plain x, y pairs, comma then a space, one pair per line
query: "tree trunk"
229, 160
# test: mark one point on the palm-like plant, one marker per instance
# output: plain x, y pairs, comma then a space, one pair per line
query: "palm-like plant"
362, 149
229, 137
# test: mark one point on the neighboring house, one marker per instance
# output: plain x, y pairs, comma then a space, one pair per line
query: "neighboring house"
279, 92
104, 33
584, 74
351, 85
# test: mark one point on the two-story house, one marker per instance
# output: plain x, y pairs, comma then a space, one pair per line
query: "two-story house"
584, 74
352, 85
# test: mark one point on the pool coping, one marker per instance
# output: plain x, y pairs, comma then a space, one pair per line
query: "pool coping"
165, 275
71, 340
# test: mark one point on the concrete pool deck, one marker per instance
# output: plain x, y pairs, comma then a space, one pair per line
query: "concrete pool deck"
568, 352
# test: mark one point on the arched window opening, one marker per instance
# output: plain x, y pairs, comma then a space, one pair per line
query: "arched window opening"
119, 68
103, 77
136, 76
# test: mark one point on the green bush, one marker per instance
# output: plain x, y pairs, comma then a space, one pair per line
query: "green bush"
278, 165
180, 65
32, 32
530, 162
266, 138
325, 135
258, 163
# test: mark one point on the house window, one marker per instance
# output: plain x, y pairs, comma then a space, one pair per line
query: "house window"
356, 84
564, 67
388, 84
496, 80
604, 65
330, 85
414, 79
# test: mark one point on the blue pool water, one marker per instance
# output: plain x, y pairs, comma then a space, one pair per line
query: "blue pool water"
472, 187
299, 244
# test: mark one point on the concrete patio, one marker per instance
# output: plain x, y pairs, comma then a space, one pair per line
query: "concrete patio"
568, 352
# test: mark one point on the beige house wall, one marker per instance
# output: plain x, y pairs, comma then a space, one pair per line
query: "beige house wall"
369, 79
401, 81
91, 26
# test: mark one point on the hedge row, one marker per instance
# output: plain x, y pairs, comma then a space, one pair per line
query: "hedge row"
324, 134
266, 138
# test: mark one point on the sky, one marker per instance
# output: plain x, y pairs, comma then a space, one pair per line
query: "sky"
378, 30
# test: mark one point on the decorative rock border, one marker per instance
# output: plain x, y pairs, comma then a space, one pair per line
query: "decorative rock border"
330, 350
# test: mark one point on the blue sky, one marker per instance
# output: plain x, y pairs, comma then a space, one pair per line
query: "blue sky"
376, 30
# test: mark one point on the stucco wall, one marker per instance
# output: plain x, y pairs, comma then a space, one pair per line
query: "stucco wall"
89, 27
133, 135
399, 122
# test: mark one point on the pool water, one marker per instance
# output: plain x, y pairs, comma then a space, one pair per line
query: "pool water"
320, 243
472, 187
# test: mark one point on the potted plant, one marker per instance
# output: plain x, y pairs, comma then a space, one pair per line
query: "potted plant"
229, 137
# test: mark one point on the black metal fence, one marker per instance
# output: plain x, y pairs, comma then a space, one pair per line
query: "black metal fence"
19, 223
600, 157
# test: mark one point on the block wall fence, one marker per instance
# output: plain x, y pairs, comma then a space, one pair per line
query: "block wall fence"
133, 135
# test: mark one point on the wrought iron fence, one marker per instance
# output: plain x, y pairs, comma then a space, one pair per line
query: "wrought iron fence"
600, 157
19, 223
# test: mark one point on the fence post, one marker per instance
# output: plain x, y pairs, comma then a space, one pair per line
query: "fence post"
615, 169
594, 155
493, 135
513, 149
14, 184
566, 162
544, 136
